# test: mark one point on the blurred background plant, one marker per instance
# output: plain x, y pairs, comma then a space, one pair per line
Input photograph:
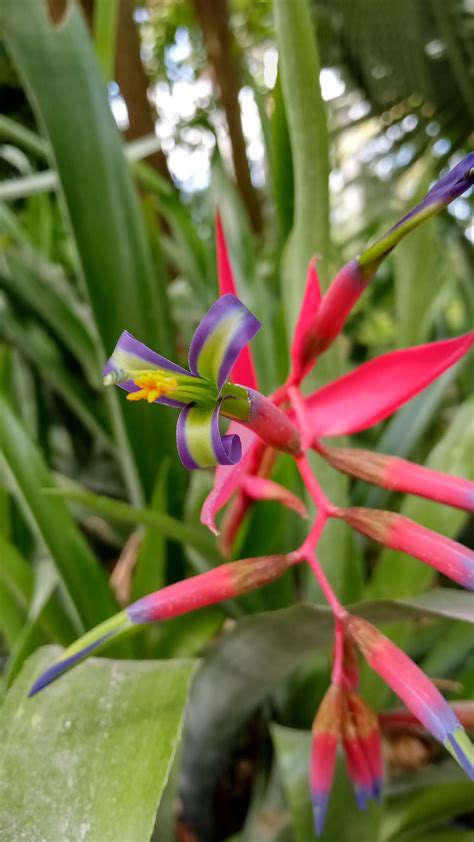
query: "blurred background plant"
218, 103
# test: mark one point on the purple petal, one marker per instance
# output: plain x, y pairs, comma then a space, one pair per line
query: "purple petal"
220, 337
448, 188
129, 355
199, 441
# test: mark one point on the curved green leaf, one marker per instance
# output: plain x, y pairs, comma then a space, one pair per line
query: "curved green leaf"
89, 760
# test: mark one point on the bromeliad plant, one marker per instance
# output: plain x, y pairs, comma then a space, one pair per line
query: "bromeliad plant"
221, 382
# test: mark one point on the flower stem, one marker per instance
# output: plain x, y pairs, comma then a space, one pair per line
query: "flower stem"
338, 665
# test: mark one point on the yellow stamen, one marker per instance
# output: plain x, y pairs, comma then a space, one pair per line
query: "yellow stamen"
152, 386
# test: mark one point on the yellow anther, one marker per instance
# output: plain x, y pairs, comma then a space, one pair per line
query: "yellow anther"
152, 386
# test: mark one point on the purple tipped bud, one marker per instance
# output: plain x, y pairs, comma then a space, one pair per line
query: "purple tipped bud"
401, 475
400, 533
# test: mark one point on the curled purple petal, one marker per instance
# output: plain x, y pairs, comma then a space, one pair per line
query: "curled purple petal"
199, 440
220, 337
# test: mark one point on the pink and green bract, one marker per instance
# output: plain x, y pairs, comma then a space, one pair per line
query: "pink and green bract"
222, 383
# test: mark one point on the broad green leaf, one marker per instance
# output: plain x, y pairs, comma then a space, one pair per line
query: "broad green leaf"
89, 759
63, 80
77, 568
247, 663
344, 822
299, 69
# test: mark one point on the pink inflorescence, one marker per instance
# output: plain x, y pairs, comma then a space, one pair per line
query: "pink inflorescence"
290, 422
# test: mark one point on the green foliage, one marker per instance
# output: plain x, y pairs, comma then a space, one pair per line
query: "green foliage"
95, 754
95, 245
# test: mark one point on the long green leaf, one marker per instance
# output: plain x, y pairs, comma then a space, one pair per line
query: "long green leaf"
426, 809
168, 525
76, 566
299, 68
38, 287
104, 27
417, 277
62, 77
90, 759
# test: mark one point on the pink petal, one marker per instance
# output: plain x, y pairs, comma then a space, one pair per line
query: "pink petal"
243, 371
300, 349
260, 488
228, 478
378, 388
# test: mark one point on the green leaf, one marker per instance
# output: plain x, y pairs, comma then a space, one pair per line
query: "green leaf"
299, 68
248, 662
43, 290
104, 28
14, 132
417, 276
169, 526
425, 809
75, 564
281, 162
90, 758
43, 354
344, 821
73, 109
150, 570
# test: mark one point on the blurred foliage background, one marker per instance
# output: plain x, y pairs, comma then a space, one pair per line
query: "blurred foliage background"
311, 126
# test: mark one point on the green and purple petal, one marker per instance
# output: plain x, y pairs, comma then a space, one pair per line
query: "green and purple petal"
444, 191
199, 440
82, 648
220, 337
130, 355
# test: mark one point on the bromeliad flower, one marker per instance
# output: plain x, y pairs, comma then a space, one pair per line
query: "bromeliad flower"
294, 423
204, 392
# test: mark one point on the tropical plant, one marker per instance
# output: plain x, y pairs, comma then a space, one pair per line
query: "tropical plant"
96, 510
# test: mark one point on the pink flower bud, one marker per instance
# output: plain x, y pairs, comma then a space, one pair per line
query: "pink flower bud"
224, 582
325, 737
272, 425
401, 475
363, 749
400, 533
302, 351
413, 687
336, 304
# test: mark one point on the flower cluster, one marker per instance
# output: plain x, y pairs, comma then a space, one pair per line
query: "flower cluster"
222, 381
